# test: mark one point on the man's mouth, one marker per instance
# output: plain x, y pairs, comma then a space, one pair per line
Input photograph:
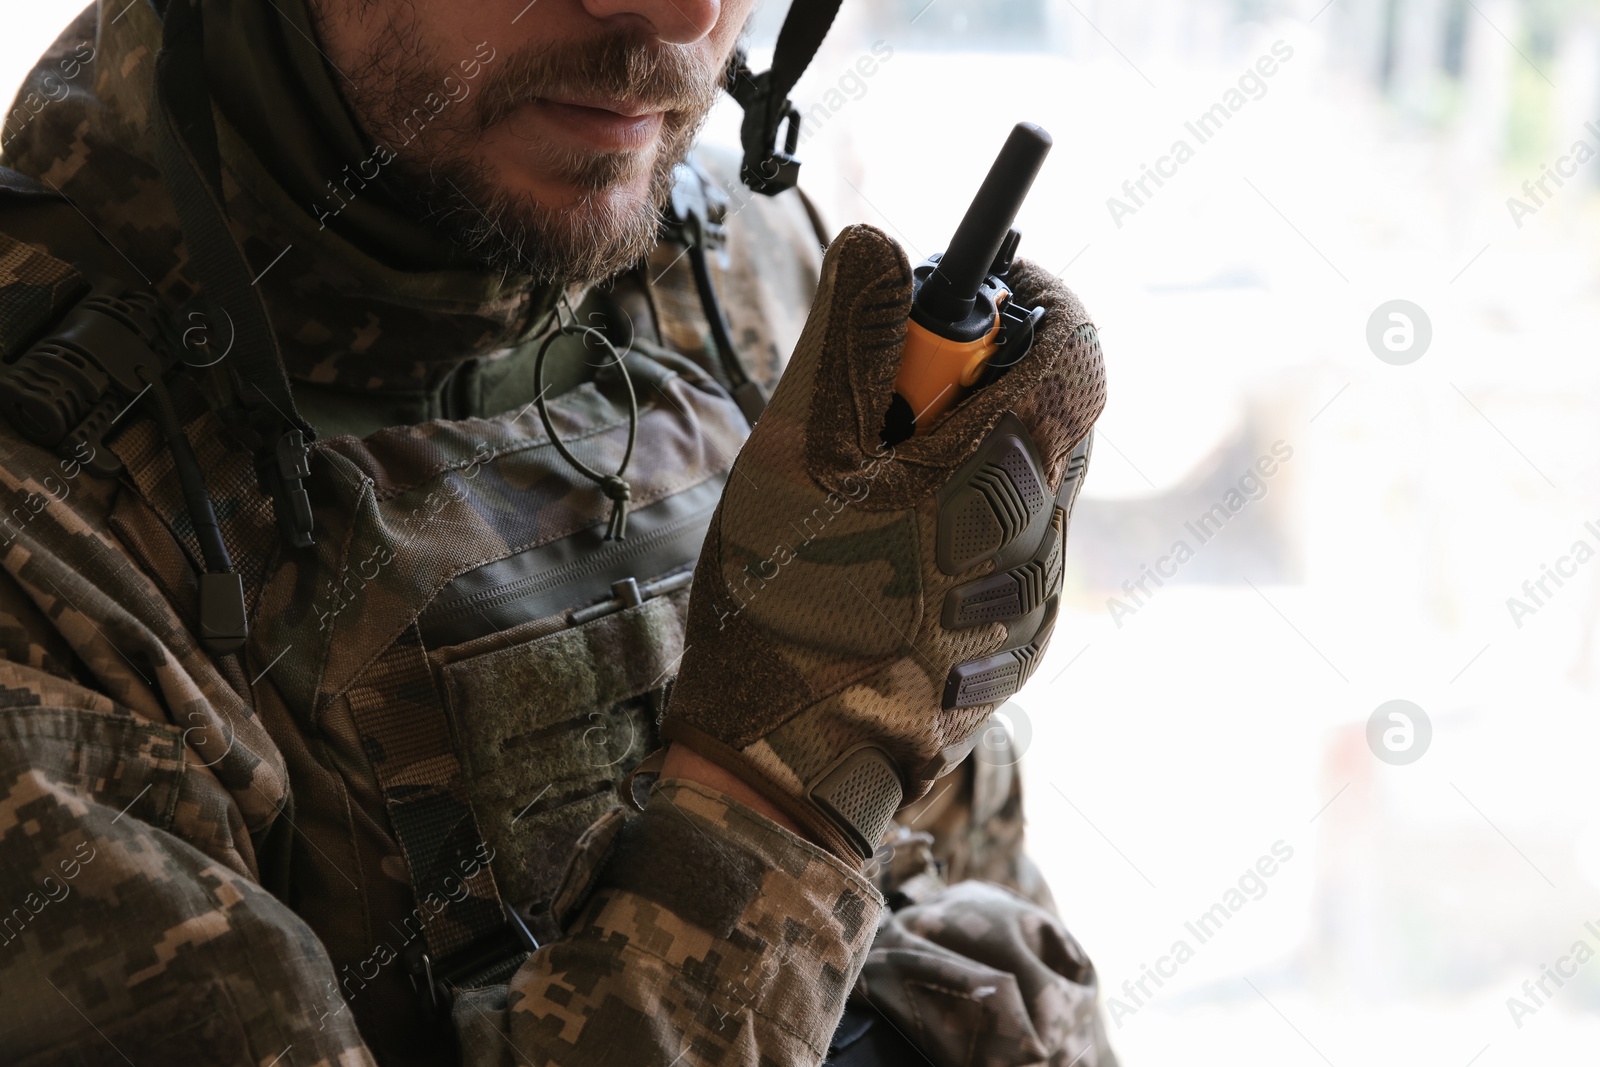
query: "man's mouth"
600, 124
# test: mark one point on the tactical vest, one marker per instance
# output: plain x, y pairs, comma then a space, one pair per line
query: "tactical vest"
461, 668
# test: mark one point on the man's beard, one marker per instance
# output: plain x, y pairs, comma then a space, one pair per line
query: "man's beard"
434, 172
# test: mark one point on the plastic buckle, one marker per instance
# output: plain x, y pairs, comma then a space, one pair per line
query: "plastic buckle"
1018, 328
696, 211
491, 960
777, 172
766, 170
223, 625
69, 390
291, 467
431, 997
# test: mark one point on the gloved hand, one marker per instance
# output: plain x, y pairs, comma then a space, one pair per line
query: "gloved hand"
858, 611
981, 977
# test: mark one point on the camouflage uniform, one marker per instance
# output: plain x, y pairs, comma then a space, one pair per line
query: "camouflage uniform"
202, 854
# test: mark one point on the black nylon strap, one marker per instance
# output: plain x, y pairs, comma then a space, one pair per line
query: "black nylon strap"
186, 141
765, 96
186, 149
801, 38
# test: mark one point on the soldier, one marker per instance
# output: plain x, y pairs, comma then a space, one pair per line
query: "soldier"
362, 428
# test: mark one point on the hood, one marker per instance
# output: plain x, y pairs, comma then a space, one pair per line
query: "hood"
360, 296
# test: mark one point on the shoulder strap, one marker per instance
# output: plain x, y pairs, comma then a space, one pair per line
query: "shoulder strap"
765, 96
804, 29
186, 148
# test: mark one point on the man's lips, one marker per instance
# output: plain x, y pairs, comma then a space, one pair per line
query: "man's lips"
606, 125
626, 108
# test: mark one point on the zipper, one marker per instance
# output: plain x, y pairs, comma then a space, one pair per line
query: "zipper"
536, 583
674, 530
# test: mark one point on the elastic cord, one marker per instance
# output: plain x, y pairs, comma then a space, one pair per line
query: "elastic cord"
712, 308
614, 486
746, 393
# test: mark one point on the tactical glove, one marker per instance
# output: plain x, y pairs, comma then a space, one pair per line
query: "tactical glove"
859, 610
981, 977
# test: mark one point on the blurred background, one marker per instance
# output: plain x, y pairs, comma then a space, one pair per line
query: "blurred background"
1241, 191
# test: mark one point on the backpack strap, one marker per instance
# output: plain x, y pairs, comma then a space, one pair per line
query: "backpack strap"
186, 150
765, 97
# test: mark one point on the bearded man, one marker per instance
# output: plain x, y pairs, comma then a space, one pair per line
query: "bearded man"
374, 373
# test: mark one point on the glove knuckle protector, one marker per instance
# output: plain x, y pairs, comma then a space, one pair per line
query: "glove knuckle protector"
859, 610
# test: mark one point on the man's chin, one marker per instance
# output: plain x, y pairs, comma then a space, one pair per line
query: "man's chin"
562, 193
547, 209
552, 226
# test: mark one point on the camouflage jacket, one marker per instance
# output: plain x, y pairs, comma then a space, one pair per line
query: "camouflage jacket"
200, 855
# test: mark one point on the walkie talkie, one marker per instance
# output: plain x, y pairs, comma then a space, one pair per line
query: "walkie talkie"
965, 329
